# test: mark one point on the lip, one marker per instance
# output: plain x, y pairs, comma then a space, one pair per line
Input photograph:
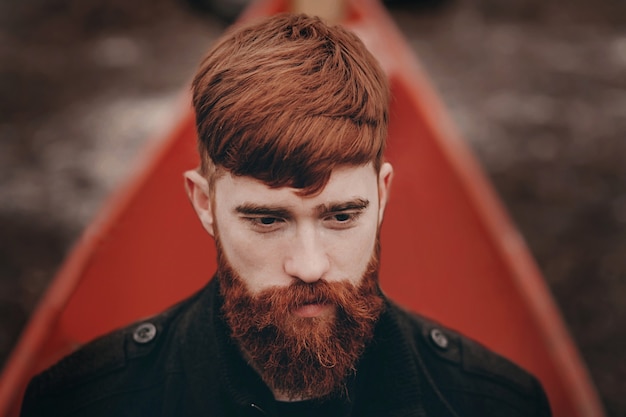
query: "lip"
311, 310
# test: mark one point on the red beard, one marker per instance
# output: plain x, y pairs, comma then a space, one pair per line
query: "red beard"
302, 357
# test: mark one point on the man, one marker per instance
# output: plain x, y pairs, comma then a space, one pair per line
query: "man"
292, 119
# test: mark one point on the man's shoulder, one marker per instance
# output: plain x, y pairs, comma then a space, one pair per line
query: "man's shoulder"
108, 365
453, 348
465, 371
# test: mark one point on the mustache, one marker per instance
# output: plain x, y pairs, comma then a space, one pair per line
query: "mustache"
278, 303
274, 307
300, 293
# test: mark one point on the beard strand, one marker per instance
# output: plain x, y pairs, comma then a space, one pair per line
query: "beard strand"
302, 357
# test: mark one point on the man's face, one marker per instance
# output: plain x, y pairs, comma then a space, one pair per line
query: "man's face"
272, 237
298, 275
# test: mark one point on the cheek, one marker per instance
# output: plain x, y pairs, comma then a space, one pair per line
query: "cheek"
351, 254
241, 252
257, 262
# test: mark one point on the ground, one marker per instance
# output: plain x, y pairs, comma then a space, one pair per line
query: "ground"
537, 89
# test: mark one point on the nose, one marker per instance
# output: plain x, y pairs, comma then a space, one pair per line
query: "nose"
306, 259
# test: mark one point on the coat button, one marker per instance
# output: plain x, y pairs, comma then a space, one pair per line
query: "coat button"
144, 333
440, 339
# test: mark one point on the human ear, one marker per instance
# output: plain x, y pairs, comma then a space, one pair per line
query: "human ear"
200, 197
385, 175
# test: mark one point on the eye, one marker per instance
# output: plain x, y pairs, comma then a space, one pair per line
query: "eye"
343, 217
265, 223
342, 220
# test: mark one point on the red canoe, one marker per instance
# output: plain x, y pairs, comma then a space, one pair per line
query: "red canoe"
449, 250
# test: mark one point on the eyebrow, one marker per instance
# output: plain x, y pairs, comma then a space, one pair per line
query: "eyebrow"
358, 204
250, 209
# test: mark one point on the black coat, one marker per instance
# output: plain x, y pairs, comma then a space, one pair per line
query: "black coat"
182, 363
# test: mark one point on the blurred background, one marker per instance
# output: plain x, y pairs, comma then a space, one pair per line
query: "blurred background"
537, 88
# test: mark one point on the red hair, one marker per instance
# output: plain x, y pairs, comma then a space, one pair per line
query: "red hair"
288, 99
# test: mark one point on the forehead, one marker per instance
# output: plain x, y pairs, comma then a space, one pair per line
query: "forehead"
345, 183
